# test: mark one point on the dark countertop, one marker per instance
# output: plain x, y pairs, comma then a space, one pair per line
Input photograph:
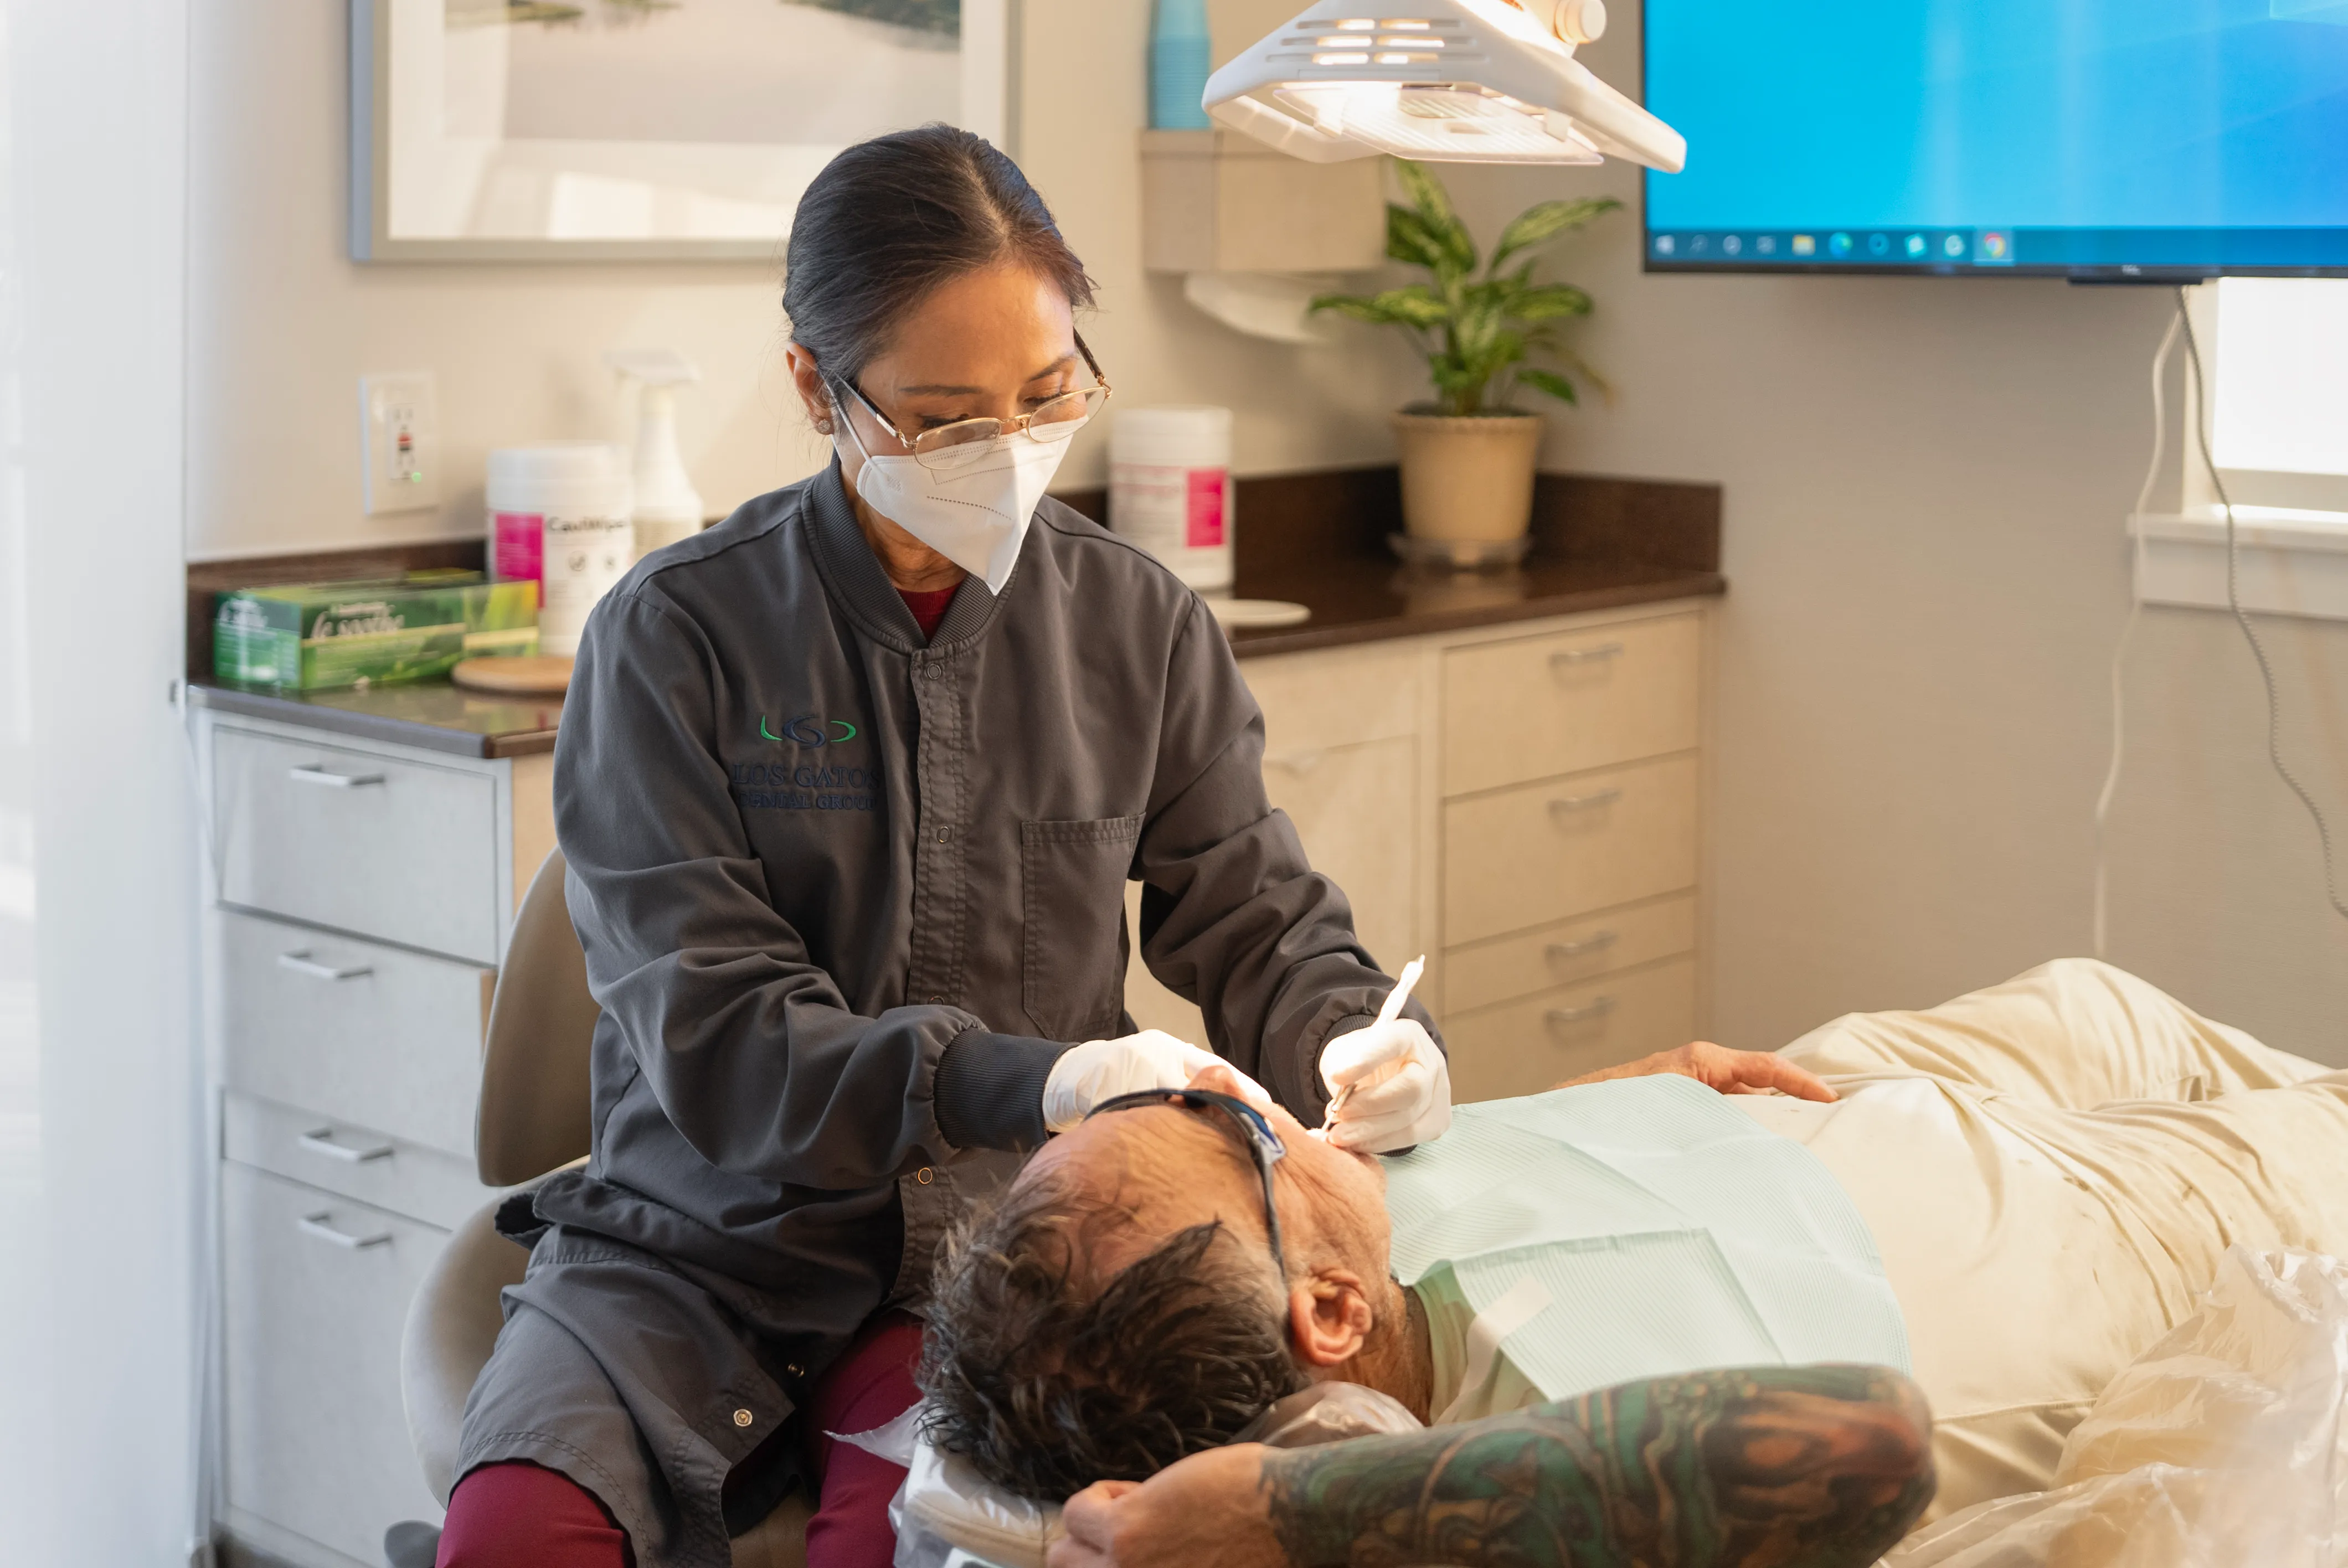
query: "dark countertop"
435, 715
1316, 538
1356, 601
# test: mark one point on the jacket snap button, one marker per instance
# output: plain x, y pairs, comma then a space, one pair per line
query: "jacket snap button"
923, 1176
743, 1417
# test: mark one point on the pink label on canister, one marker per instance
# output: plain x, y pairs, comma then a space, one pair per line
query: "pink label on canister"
1203, 517
519, 550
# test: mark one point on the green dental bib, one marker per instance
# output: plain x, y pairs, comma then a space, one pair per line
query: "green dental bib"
1630, 1229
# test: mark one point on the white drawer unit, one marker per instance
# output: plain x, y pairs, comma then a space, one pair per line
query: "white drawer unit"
352, 1160
314, 1294
364, 890
358, 840
353, 1030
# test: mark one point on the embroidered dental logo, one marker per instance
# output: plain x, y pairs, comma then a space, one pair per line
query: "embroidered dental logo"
805, 785
807, 729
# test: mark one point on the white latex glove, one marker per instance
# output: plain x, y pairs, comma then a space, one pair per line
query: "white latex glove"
1401, 1087
1102, 1069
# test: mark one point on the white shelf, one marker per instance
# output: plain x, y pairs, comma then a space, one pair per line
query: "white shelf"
2290, 562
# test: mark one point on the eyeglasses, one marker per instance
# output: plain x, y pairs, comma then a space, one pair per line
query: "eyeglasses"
1264, 1145
965, 442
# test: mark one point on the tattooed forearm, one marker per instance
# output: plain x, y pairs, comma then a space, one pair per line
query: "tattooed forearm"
1823, 1467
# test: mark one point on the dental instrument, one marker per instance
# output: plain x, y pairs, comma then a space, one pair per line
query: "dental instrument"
1388, 1010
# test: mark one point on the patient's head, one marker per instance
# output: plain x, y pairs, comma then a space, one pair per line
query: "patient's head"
1120, 1308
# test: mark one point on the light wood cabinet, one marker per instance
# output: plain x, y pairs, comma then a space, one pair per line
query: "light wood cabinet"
1522, 805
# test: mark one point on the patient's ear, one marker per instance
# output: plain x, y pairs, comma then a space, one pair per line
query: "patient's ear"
1329, 1316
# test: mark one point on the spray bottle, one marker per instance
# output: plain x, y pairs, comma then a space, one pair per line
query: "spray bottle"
667, 508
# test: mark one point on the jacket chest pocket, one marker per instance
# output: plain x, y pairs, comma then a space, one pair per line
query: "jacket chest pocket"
1072, 876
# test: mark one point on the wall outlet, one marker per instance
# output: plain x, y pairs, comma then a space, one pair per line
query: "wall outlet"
399, 425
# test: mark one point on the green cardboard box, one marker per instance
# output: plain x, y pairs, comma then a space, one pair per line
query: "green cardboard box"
317, 636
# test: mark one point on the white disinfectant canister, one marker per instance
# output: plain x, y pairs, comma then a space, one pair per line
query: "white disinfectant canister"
559, 515
1169, 489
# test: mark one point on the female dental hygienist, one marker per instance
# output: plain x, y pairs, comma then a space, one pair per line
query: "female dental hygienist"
851, 786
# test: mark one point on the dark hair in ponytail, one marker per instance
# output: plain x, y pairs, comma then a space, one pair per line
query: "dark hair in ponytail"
892, 219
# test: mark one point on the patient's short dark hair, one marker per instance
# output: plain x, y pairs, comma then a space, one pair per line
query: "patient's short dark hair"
1048, 1385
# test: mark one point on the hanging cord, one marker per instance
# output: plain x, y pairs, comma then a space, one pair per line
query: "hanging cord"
2251, 632
2127, 633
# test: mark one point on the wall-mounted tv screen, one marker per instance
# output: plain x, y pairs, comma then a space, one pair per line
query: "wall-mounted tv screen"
2089, 137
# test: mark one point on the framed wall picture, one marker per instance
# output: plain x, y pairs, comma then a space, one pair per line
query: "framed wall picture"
535, 131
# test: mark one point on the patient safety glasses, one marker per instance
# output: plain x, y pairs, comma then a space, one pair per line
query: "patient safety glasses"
1255, 1131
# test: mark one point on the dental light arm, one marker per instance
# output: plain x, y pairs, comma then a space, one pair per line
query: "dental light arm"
1462, 81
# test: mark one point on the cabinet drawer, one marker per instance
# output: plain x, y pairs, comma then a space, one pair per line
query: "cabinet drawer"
364, 843
351, 1160
1516, 711
1525, 1046
1334, 698
353, 1030
1573, 950
1546, 852
314, 1294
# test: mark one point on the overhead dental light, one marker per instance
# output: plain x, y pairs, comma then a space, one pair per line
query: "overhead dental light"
1455, 81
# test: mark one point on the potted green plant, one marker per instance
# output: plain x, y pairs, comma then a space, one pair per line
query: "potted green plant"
1468, 455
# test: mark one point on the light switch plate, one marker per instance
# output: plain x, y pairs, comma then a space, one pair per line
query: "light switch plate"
400, 422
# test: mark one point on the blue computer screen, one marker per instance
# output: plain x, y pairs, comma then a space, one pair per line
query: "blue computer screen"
2195, 136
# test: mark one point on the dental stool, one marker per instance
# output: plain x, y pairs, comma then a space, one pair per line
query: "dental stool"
533, 1121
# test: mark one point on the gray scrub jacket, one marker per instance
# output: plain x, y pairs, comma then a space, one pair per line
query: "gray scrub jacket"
845, 897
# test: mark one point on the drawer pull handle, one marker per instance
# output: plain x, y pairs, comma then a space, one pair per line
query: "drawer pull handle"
1567, 658
1590, 802
322, 1142
302, 963
1561, 1018
316, 1226
1596, 942
316, 773
1298, 762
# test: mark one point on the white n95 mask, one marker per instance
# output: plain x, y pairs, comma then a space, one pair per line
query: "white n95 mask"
975, 514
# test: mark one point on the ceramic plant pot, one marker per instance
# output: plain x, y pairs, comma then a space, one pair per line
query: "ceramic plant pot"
1468, 482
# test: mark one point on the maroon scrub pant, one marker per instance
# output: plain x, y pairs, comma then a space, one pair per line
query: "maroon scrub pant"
517, 1515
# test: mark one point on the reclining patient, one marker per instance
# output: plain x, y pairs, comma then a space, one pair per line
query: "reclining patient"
2009, 1198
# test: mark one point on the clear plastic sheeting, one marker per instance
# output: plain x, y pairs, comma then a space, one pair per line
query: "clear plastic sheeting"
2220, 1446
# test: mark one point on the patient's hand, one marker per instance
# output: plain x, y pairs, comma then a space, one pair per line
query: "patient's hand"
1210, 1508
1717, 1067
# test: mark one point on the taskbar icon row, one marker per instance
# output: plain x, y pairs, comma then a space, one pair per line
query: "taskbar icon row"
1851, 246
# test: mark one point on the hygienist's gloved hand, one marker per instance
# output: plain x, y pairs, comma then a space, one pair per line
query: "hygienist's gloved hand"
1401, 1087
1102, 1069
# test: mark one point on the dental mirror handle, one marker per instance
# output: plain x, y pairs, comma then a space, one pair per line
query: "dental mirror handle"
1388, 1010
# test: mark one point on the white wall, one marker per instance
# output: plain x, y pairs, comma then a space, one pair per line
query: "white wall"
101, 1444
1925, 480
